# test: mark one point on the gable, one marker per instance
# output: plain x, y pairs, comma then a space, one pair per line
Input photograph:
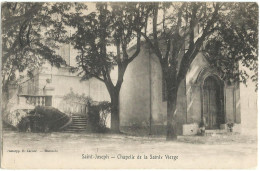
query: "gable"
196, 66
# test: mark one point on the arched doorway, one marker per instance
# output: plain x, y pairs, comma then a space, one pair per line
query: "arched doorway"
212, 103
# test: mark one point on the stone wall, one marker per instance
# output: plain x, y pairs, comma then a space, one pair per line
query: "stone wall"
135, 93
233, 112
63, 82
193, 90
199, 70
141, 99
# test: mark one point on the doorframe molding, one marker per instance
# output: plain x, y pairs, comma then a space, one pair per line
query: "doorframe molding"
202, 76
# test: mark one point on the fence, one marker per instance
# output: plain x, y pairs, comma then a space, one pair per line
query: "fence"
36, 100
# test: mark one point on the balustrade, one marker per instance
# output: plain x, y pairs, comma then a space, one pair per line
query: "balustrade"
36, 100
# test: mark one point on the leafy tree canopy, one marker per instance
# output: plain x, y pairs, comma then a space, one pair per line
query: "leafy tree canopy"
236, 42
29, 31
227, 33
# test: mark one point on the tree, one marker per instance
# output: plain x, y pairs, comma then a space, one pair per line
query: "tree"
28, 38
173, 41
235, 45
102, 38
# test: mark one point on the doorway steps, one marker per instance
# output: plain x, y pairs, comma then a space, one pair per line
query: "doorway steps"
212, 132
79, 124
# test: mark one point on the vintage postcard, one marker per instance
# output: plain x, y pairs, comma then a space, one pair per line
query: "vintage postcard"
129, 85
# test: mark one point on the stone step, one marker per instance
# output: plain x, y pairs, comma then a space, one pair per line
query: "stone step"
72, 131
79, 124
84, 121
80, 120
77, 127
78, 116
215, 131
75, 130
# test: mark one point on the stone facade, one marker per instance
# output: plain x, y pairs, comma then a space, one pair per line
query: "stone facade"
142, 104
58, 82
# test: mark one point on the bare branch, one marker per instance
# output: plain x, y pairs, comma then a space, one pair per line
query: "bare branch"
190, 55
138, 44
155, 38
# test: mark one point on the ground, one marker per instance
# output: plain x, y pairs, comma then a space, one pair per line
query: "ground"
85, 150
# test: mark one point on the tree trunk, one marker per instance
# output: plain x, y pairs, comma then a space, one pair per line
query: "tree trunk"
115, 112
5, 97
171, 109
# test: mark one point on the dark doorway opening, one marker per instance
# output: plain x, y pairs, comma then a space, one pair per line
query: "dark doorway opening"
212, 103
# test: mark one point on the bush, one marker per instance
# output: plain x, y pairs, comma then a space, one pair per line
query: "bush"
7, 125
24, 124
43, 119
75, 103
98, 112
97, 116
93, 118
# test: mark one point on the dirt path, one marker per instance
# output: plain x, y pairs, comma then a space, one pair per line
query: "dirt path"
66, 150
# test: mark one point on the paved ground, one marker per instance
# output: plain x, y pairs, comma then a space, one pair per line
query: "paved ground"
67, 150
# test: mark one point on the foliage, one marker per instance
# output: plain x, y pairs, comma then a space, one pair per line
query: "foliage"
43, 119
98, 112
99, 31
185, 29
104, 108
74, 97
102, 38
226, 32
236, 42
8, 126
75, 103
14, 117
24, 125
97, 115
26, 38
94, 118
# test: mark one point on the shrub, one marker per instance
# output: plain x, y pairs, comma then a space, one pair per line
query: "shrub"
97, 115
43, 119
24, 124
75, 103
98, 112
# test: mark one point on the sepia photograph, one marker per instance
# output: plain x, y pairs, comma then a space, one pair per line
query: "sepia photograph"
129, 85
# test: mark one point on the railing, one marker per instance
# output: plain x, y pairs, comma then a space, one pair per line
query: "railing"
36, 100
74, 107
